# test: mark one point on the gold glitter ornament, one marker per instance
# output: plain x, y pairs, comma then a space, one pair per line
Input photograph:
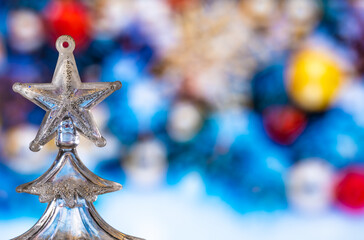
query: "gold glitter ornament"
211, 50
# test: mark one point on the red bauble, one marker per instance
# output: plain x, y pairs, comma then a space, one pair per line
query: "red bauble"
180, 5
349, 190
284, 124
68, 18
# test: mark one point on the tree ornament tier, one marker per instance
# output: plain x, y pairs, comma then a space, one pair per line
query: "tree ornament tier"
67, 178
81, 222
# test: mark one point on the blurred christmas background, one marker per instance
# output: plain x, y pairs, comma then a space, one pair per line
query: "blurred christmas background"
238, 119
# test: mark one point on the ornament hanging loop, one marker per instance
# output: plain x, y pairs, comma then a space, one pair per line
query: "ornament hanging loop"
65, 44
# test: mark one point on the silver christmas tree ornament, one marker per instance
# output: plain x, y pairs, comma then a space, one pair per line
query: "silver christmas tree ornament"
68, 187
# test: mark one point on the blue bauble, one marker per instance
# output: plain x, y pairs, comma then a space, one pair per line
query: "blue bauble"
26, 68
13, 204
140, 106
268, 87
250, 175
192, 155
123, 122
333, 136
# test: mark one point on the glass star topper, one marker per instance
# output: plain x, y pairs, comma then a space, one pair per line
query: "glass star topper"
66, 97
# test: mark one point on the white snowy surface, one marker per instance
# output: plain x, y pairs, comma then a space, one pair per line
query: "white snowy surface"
185, 212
